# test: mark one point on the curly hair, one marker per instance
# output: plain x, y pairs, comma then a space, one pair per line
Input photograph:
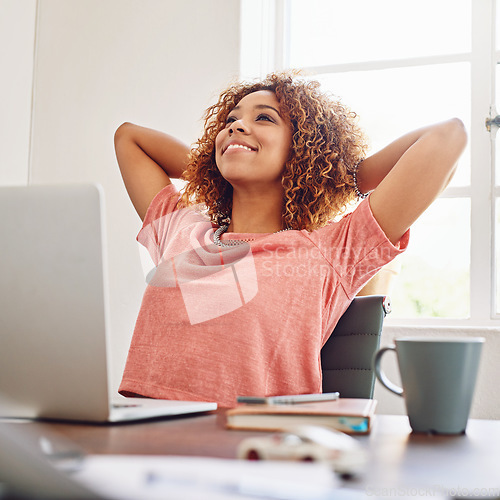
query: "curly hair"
327, 145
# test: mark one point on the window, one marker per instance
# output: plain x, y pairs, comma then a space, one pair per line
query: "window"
400, 65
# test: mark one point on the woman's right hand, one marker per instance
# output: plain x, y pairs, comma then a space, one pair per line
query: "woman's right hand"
148, 159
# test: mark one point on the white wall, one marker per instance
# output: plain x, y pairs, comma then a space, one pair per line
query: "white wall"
99, 63
17, 36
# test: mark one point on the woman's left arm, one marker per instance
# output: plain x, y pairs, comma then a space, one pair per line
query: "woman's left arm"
410, 173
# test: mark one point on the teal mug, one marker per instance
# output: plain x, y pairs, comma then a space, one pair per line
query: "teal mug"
438, 376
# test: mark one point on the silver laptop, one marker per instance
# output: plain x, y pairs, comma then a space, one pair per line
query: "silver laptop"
53, 310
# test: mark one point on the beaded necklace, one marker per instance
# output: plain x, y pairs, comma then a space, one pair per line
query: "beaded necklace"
231, 243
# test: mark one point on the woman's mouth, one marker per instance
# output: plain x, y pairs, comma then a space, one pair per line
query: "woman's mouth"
237, 146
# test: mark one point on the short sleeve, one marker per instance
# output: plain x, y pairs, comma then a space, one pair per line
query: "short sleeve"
170, 228
154, 226
356, 247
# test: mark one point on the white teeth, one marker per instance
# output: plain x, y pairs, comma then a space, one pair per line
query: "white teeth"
232, 146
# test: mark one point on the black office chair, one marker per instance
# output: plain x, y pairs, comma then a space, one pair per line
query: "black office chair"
346, 358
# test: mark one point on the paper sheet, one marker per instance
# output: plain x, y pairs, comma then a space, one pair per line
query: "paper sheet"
192, 478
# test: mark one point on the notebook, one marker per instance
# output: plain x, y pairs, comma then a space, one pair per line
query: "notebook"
349, 415
54, 331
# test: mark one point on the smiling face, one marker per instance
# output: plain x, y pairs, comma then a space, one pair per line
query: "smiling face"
255, 144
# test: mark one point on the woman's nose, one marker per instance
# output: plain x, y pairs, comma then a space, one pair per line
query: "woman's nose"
238, 125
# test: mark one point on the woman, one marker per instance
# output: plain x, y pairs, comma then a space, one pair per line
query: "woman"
254, 265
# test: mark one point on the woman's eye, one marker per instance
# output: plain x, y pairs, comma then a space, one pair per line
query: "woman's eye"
230, 119
265, 118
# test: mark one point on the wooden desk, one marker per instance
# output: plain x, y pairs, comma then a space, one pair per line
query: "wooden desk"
401, 464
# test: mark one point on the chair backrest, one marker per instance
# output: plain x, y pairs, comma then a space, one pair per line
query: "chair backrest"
346, 357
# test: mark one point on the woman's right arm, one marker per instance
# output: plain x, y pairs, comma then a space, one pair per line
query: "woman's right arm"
148, 159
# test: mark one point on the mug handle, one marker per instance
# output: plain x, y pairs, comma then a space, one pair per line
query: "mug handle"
382, 377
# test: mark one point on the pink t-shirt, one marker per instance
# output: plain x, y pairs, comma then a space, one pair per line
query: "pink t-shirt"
246, 320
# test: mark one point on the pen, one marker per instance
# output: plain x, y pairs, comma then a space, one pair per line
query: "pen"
289, 399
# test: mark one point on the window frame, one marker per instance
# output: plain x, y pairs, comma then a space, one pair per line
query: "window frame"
264, 48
